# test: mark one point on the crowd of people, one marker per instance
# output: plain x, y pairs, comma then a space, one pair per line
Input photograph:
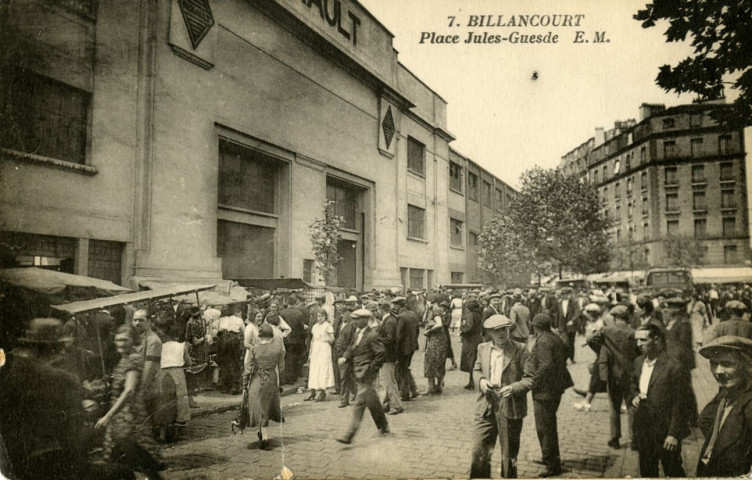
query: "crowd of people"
360, 346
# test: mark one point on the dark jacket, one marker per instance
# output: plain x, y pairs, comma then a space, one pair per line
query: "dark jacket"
408, 331
516, 365
296, 319
664, 412
367, 357
732, 452
679, 343
548, 364
388, 333
617, 356
572, 315
344, 339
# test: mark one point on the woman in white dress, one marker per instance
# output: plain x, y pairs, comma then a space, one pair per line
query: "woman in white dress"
321, 371
456, 307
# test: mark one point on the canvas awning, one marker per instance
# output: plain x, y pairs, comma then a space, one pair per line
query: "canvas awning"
225, 292
722, 275
274, 283
127, 298
59, 287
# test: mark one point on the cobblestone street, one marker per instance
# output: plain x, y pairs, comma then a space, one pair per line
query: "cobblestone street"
431, 439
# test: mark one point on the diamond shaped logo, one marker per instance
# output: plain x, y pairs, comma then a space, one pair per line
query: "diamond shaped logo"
198, 19
388, 125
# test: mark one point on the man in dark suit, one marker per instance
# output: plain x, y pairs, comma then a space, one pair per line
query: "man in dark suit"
548, 381
502, 404
615, 362
343, 340
408, 331
295, 342
568, 319
366, 353
726, 421
388, 332
658, 392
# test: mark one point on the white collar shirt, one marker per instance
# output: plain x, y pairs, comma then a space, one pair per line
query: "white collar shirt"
647, 371
497, 366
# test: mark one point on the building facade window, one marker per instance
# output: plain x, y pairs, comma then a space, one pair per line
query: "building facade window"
646, 231
429, 280
595, 176
698, 200
695, 146
729, 254
472, 186
628, 161
672, 202
729, 226
670, 176
499, 200
669, 149
416, 218
727, 171
247, 178
308, 270
672, 227
644, 181
617, 167
724, 145
668, 123
728, 200
643, 154
487, 195
473, 239
416, 156
698, 174
455, 177
695, 120
457, 277
42, 116
701, 228
645, 205
105, 260
455, 233
346, 201
416, 278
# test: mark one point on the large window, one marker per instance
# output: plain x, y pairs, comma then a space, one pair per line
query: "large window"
698, 200
416, 278
643, 154
457, 277
701, 228
247, 251
727, 171
669, 149
247, 178
455, 177
696, 147
724, 144
729, 254
455, 233
670, 176
487, 196
644, 181
672, 202
728, 200
416, 156
645, 205
308, 270
698, 174
42, 116
499, 200
105, 260
729, 226
672, 227
345, 200
472, 186
416, 218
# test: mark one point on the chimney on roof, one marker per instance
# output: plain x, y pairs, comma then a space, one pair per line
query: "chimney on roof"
600, 136
647, 110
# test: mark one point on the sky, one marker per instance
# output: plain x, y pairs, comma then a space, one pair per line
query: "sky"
502, 118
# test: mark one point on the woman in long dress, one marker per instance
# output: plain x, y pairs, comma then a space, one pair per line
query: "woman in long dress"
127, 439
436, 349
266, 364
320, 368
456, 306
698, 319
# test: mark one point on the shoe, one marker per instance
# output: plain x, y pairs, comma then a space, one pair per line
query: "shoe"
453, 367
583, 406
550, 473
384, 431
614, 443
346, 439
310, 397
343, 405
235, 424
396, 411
470, 386
539, 461
321, 397
386, 408
264, 445
181, 424
579, 392
193, 404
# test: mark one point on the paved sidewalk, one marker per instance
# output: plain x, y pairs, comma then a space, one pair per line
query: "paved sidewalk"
431, 439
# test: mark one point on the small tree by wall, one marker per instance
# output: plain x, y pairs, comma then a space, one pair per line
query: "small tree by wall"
325, 238
682, 251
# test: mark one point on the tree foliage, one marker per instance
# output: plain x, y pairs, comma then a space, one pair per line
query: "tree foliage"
629, 256
553, 224
325, 238
720, 33
682, 251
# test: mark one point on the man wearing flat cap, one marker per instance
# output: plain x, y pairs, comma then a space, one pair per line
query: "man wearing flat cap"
502, 404
366, 353
388, 376
736, 325
568, 320
519, 314
726, 421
